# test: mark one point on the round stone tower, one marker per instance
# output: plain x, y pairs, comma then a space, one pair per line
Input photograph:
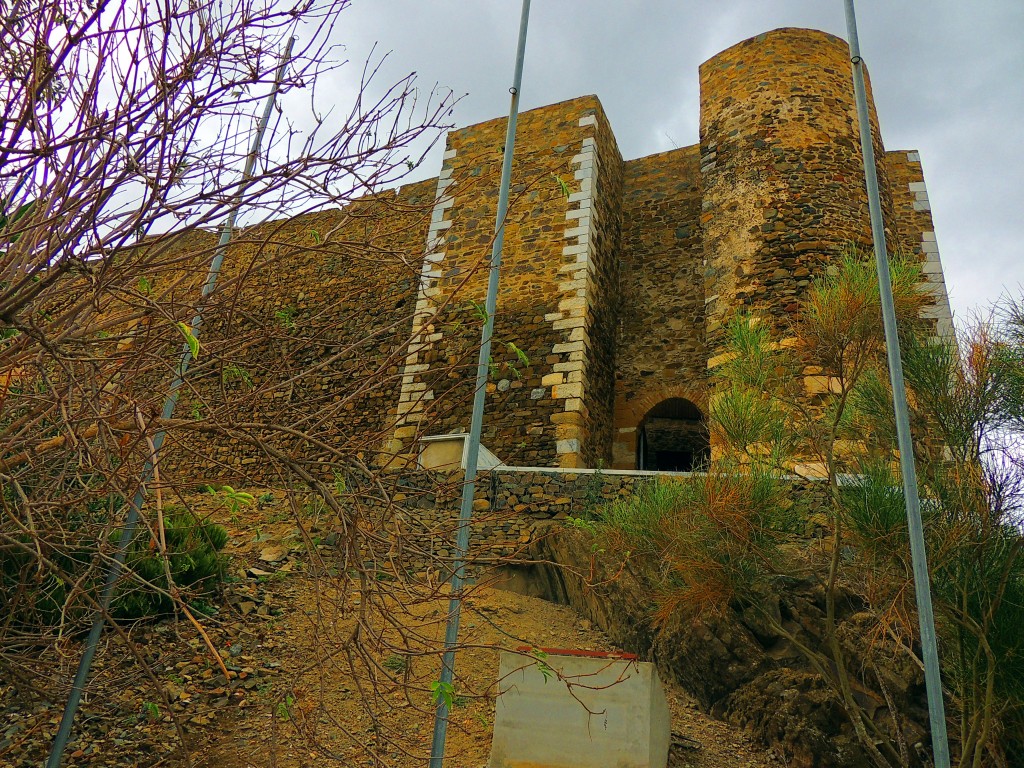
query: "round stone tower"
782, 173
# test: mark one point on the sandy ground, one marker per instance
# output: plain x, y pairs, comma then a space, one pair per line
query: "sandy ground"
302, 686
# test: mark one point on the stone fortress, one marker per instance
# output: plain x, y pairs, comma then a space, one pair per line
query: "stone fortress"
618, 276
619, 291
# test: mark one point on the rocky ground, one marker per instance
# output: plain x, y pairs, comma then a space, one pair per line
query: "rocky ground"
297, 691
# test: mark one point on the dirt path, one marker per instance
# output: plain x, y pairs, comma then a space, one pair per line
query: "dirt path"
326, 702
296, 693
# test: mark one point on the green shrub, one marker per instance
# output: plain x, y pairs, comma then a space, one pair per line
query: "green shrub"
709, 536
193, 558
42, 599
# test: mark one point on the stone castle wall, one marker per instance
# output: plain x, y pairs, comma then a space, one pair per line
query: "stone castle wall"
781, 172
617, 281
330, 292
661, 350
916, 232
557, 281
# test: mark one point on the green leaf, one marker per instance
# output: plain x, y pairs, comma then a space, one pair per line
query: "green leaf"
523, 357
22, 210
479, 310
442, 692
190, 339
562, 185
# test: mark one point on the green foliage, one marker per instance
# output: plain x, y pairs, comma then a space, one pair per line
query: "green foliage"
562, 186
233, 372
712, 537
478, 310
194, 560
286, 318
818, 395
581, 524
442, 692
284, 708
190, 339
874, 509
542, 664
151, 711
55, 597
521, 356
234, 500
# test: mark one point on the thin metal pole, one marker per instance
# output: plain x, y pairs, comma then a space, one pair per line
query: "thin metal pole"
128, 533
476, 423
918, 553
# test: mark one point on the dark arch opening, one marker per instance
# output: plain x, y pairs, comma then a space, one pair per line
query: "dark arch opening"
673, 437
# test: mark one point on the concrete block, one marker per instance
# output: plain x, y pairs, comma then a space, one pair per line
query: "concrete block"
587, 712
588, 120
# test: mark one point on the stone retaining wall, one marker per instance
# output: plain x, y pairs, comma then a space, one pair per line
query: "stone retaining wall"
512, 508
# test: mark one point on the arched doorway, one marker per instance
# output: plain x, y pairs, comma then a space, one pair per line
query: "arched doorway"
673, 437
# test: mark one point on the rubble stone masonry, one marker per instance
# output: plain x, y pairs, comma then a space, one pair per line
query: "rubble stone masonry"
618, 277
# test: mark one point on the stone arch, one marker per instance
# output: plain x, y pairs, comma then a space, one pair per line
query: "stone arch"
673, 437
630, 414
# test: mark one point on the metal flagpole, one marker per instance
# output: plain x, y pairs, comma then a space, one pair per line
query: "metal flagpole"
170, 402
476, 423
929, 647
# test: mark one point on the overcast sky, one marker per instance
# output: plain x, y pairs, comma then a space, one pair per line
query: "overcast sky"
947, 78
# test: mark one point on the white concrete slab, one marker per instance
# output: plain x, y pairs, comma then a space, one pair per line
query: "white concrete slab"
580, 712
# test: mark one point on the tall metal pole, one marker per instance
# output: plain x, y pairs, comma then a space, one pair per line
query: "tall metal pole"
170, 402
919, 557
451, 634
